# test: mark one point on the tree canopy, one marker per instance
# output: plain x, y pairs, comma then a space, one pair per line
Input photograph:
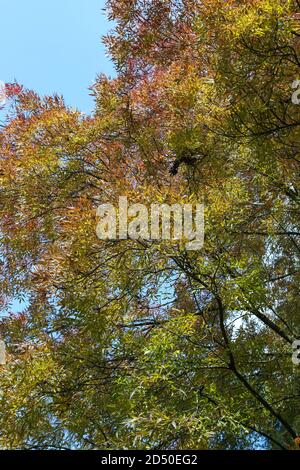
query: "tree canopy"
142, 344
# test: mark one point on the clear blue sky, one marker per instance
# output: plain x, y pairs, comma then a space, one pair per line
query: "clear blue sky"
54, 46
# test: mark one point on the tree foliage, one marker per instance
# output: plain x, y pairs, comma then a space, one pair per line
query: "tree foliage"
142, 344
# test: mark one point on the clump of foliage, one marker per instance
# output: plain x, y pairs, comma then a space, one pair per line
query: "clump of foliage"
140, 344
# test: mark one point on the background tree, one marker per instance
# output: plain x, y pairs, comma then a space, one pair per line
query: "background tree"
142, 344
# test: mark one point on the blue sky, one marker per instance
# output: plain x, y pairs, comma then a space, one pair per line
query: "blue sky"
54, 46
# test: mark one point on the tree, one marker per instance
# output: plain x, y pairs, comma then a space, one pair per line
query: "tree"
143, 344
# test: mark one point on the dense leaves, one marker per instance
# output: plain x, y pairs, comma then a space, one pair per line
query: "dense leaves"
142, 344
